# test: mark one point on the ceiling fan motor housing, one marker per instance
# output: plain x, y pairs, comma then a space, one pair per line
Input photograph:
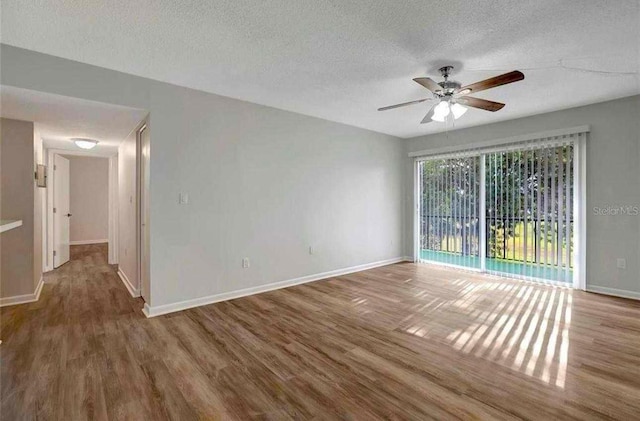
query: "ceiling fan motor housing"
445, 71
448, 86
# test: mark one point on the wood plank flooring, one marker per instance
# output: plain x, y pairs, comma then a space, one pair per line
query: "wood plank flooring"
403, 341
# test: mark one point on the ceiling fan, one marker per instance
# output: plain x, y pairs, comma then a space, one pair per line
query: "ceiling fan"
452, 97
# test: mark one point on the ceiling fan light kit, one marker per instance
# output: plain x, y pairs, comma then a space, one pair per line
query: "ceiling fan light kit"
452, 97
441, 111
458, 110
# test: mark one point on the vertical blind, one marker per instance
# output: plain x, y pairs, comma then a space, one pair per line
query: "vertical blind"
529, 207
526, 191
449, 210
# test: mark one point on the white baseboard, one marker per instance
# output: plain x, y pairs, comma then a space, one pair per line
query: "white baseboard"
133, 291
614, 292
210, 299
23, 299
85, 242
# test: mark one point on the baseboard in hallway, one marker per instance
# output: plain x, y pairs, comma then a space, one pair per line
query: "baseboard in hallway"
133, 291
84, 242
23, 299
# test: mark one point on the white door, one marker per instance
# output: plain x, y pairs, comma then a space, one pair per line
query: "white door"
144, 211
61, 211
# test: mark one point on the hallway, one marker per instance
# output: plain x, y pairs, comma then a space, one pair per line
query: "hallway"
51, 365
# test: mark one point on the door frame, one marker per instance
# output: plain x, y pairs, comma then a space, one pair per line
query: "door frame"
580, 190
48, 220
140, 226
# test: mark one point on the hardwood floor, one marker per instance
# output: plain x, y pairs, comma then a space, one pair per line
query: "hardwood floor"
399, 342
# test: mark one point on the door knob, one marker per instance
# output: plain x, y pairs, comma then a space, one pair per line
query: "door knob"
68, 214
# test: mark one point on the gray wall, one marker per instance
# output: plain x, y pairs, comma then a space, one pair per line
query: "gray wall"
613, 176
263, 183
89, 198
17, 190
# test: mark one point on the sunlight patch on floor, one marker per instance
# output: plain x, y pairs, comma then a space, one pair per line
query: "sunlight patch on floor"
521, 326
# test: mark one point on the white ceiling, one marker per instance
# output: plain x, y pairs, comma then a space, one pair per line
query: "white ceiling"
341, 60
60, 118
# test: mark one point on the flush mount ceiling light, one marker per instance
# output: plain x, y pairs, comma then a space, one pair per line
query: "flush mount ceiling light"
85, 143
451, 97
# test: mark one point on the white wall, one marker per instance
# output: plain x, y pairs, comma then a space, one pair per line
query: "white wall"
89, 199
263, 183
613, 175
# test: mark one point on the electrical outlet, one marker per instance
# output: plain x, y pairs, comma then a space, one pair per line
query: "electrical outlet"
621, 263
245, 262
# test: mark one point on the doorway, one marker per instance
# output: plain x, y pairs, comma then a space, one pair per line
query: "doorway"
82, 204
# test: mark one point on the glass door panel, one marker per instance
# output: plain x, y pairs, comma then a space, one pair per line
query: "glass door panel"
449, 211
529, 216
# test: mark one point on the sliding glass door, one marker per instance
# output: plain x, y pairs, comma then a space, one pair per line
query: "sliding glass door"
505, 211
449, 210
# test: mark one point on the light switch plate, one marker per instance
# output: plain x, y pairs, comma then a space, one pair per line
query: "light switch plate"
621, 263
183, 198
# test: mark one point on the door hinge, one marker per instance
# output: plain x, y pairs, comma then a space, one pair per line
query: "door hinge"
54, 253
55, 167
54, 210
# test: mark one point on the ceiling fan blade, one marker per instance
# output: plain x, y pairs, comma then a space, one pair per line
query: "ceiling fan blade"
483, 104
404, 104
429, 84
492, 82
427, 118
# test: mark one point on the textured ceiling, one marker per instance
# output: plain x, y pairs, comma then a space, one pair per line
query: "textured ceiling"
341, 60
60, 118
